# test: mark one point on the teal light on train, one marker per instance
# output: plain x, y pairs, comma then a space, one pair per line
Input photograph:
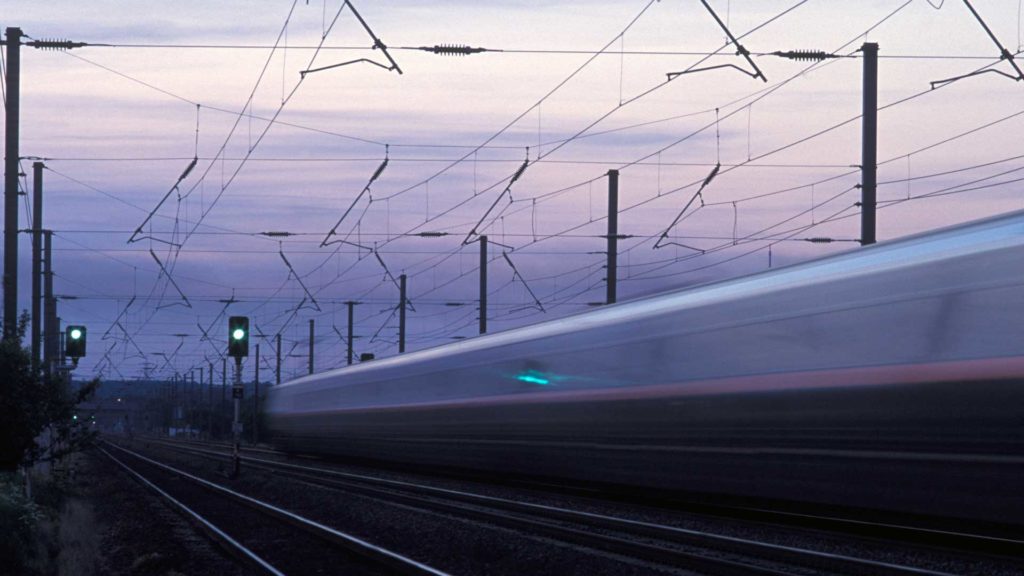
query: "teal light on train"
533, 377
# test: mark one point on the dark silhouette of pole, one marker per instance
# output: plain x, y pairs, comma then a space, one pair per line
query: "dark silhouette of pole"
401, 314
351, 315
483, 284
869, 145
192, 400
256, 395
312, 335
61, 356
174, 405
277, 369
209, 404
613, 236
236, 423
37, 263
223, 382
50, 328
11, 183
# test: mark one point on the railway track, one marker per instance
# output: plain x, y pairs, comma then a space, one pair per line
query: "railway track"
923, 535
252, 530
670, 546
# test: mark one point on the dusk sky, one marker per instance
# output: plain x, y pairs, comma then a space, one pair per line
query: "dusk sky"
117, 125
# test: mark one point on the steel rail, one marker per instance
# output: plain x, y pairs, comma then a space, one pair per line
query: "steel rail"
381, 555
680, 536
220, 537
928, 536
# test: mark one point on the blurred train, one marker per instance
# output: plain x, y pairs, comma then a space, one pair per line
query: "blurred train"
887, 378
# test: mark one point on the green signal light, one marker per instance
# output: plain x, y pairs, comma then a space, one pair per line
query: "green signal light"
238, 334
76, 334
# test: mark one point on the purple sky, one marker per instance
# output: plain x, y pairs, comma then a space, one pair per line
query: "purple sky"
117, 126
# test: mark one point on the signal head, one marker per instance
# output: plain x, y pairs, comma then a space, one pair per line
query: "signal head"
74, 341
238, 336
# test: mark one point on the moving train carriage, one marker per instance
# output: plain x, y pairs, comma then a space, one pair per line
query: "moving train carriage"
889, 377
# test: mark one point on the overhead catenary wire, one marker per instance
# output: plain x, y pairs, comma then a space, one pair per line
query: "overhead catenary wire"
530, 109
884, 19
529, 202
595, 122
444, 49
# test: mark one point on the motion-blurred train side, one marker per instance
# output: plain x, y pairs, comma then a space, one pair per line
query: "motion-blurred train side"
890, 377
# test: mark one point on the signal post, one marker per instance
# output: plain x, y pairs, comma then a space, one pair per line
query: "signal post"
238, 348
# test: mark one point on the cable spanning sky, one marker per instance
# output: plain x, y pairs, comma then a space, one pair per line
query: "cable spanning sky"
197, 159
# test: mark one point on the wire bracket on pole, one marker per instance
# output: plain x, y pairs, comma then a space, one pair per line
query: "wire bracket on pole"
184, 174
515, 273
206, 331
390, 276
508, 190
169, 357
377, 45
699, 194
117, 321
340, 335
674, 75
384, 325
1004, 54
366, 189
127, 338
740, 51
170, 279
292, 272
